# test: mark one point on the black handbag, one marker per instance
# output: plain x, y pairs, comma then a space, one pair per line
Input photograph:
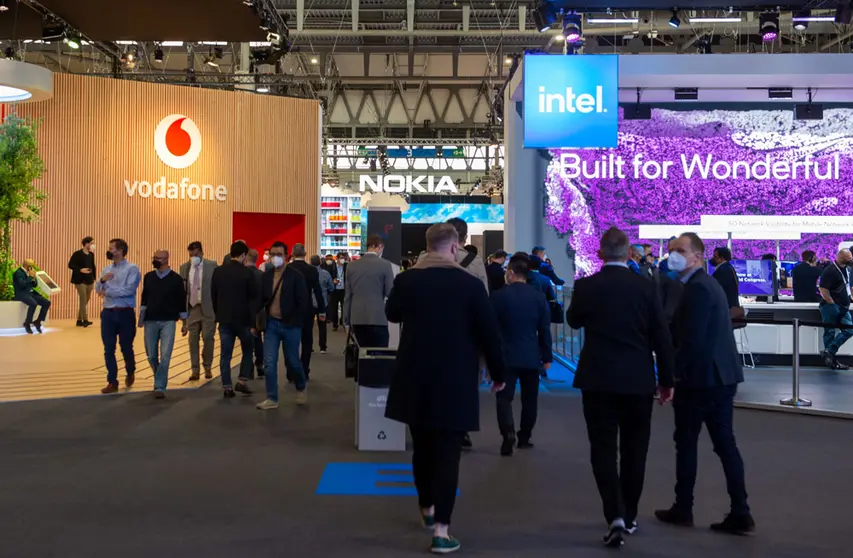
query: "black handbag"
556, 311
351, 356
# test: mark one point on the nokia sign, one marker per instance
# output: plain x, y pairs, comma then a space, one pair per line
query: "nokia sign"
398, 184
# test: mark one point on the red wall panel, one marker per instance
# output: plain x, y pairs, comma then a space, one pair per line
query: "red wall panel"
260, 230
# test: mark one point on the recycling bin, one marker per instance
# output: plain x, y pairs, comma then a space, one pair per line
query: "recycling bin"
374, 432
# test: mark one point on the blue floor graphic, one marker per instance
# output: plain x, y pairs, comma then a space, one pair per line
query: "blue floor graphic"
367, 479
559, 380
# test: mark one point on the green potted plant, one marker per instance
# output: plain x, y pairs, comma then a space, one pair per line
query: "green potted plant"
20, 199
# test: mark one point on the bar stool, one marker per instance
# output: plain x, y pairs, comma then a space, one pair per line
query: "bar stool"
742, 342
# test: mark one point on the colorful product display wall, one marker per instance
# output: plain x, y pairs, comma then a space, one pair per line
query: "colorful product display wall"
681, 165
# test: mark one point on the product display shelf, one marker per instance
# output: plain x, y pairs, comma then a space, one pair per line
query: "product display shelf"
340, 224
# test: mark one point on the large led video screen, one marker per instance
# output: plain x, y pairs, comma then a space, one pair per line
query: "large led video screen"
755, 277
681, 165
440, 212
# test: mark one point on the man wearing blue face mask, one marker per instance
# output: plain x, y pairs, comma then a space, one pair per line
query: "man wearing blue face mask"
707, 372
197, 274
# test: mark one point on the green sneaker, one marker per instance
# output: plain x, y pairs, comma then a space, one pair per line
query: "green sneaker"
444, 545
428, 521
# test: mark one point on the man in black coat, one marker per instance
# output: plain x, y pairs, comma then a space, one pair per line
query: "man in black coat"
25, 284
447, 323
234, 292
495, 271
524, 319
312, 280
805, 276
616, 374
287, 304
707, 372
83, 273
726, 275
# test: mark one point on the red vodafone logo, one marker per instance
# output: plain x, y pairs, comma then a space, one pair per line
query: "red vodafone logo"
177, 141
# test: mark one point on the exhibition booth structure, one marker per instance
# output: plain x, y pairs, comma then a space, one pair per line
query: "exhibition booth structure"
161, 166
731, 146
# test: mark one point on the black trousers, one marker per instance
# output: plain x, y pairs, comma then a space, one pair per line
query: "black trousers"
259, 351
529, 380
322, 331
336, 303
435, 465
34, 300
713, 407
371, 335
307, 346
618, 427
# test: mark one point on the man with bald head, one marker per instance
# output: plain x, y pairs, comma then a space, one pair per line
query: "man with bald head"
834, 290
164, 302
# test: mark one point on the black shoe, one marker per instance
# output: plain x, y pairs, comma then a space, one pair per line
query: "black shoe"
29, 329
260, 374
735, 525
334, 328
242, 388
615, 537
79, 323
631, 527
228, 393
466, 442
507, 445
87, 323
828, 358
839, 366
37, 325
524, 443
674, 516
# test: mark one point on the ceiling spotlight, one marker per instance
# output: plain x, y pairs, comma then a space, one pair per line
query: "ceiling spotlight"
508, 60
72, 41
768, 26
158, 56
262, 89
544, 16
4, 6
315, 60
800, 19
572, 28
674, 22
266, 23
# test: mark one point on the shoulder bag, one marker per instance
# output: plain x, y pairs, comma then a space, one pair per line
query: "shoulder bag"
467, 260
261, 318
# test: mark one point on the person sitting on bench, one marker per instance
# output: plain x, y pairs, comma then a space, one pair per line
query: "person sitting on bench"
25, 283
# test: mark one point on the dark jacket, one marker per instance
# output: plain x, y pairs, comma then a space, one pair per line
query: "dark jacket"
81, 260
164, 299
542, 284
706, 354
295, 300
805, 279
497, 276
23, 283
312, 281
447, 323
234, 291
524, 319
670, 289
623, 322
258, 276
548, 271
726, 276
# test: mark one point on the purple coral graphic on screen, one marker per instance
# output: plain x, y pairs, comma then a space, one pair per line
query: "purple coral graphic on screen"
681, 165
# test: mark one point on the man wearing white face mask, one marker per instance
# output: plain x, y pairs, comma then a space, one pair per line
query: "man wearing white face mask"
197, 274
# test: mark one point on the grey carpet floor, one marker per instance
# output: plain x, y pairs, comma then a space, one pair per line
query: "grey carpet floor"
194, 475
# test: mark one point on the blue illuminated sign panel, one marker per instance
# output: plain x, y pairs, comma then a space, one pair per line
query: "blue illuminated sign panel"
571, 101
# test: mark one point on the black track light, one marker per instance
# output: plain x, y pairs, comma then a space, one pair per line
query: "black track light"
674, 22
158, 56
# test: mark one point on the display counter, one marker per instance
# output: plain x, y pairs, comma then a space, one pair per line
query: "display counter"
773, 344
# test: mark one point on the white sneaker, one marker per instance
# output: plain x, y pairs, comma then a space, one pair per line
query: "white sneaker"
267, 404
322, 352
302, 397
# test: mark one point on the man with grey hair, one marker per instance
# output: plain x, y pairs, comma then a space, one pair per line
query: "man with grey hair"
312, 280
618, 399
447, 324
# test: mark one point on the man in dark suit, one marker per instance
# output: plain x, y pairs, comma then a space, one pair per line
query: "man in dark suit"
233, 290
447, 324
805, 276
25, 284
495, 271
707, 372
312, 280
524, 319
618, 397
287, 305
338, 271
726, 275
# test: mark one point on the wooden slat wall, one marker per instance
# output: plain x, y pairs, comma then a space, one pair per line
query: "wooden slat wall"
97, 132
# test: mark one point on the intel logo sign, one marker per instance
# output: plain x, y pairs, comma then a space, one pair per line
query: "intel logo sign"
571, 101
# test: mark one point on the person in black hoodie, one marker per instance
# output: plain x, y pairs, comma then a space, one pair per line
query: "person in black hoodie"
83, 273
495, 271
234, 291
164, 302
447, 324
312, 280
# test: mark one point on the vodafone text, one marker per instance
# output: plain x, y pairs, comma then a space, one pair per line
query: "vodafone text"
699, 167
175, 190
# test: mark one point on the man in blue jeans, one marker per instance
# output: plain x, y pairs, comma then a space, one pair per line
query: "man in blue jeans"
118, 286
834, 290
163, 303
288, 305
